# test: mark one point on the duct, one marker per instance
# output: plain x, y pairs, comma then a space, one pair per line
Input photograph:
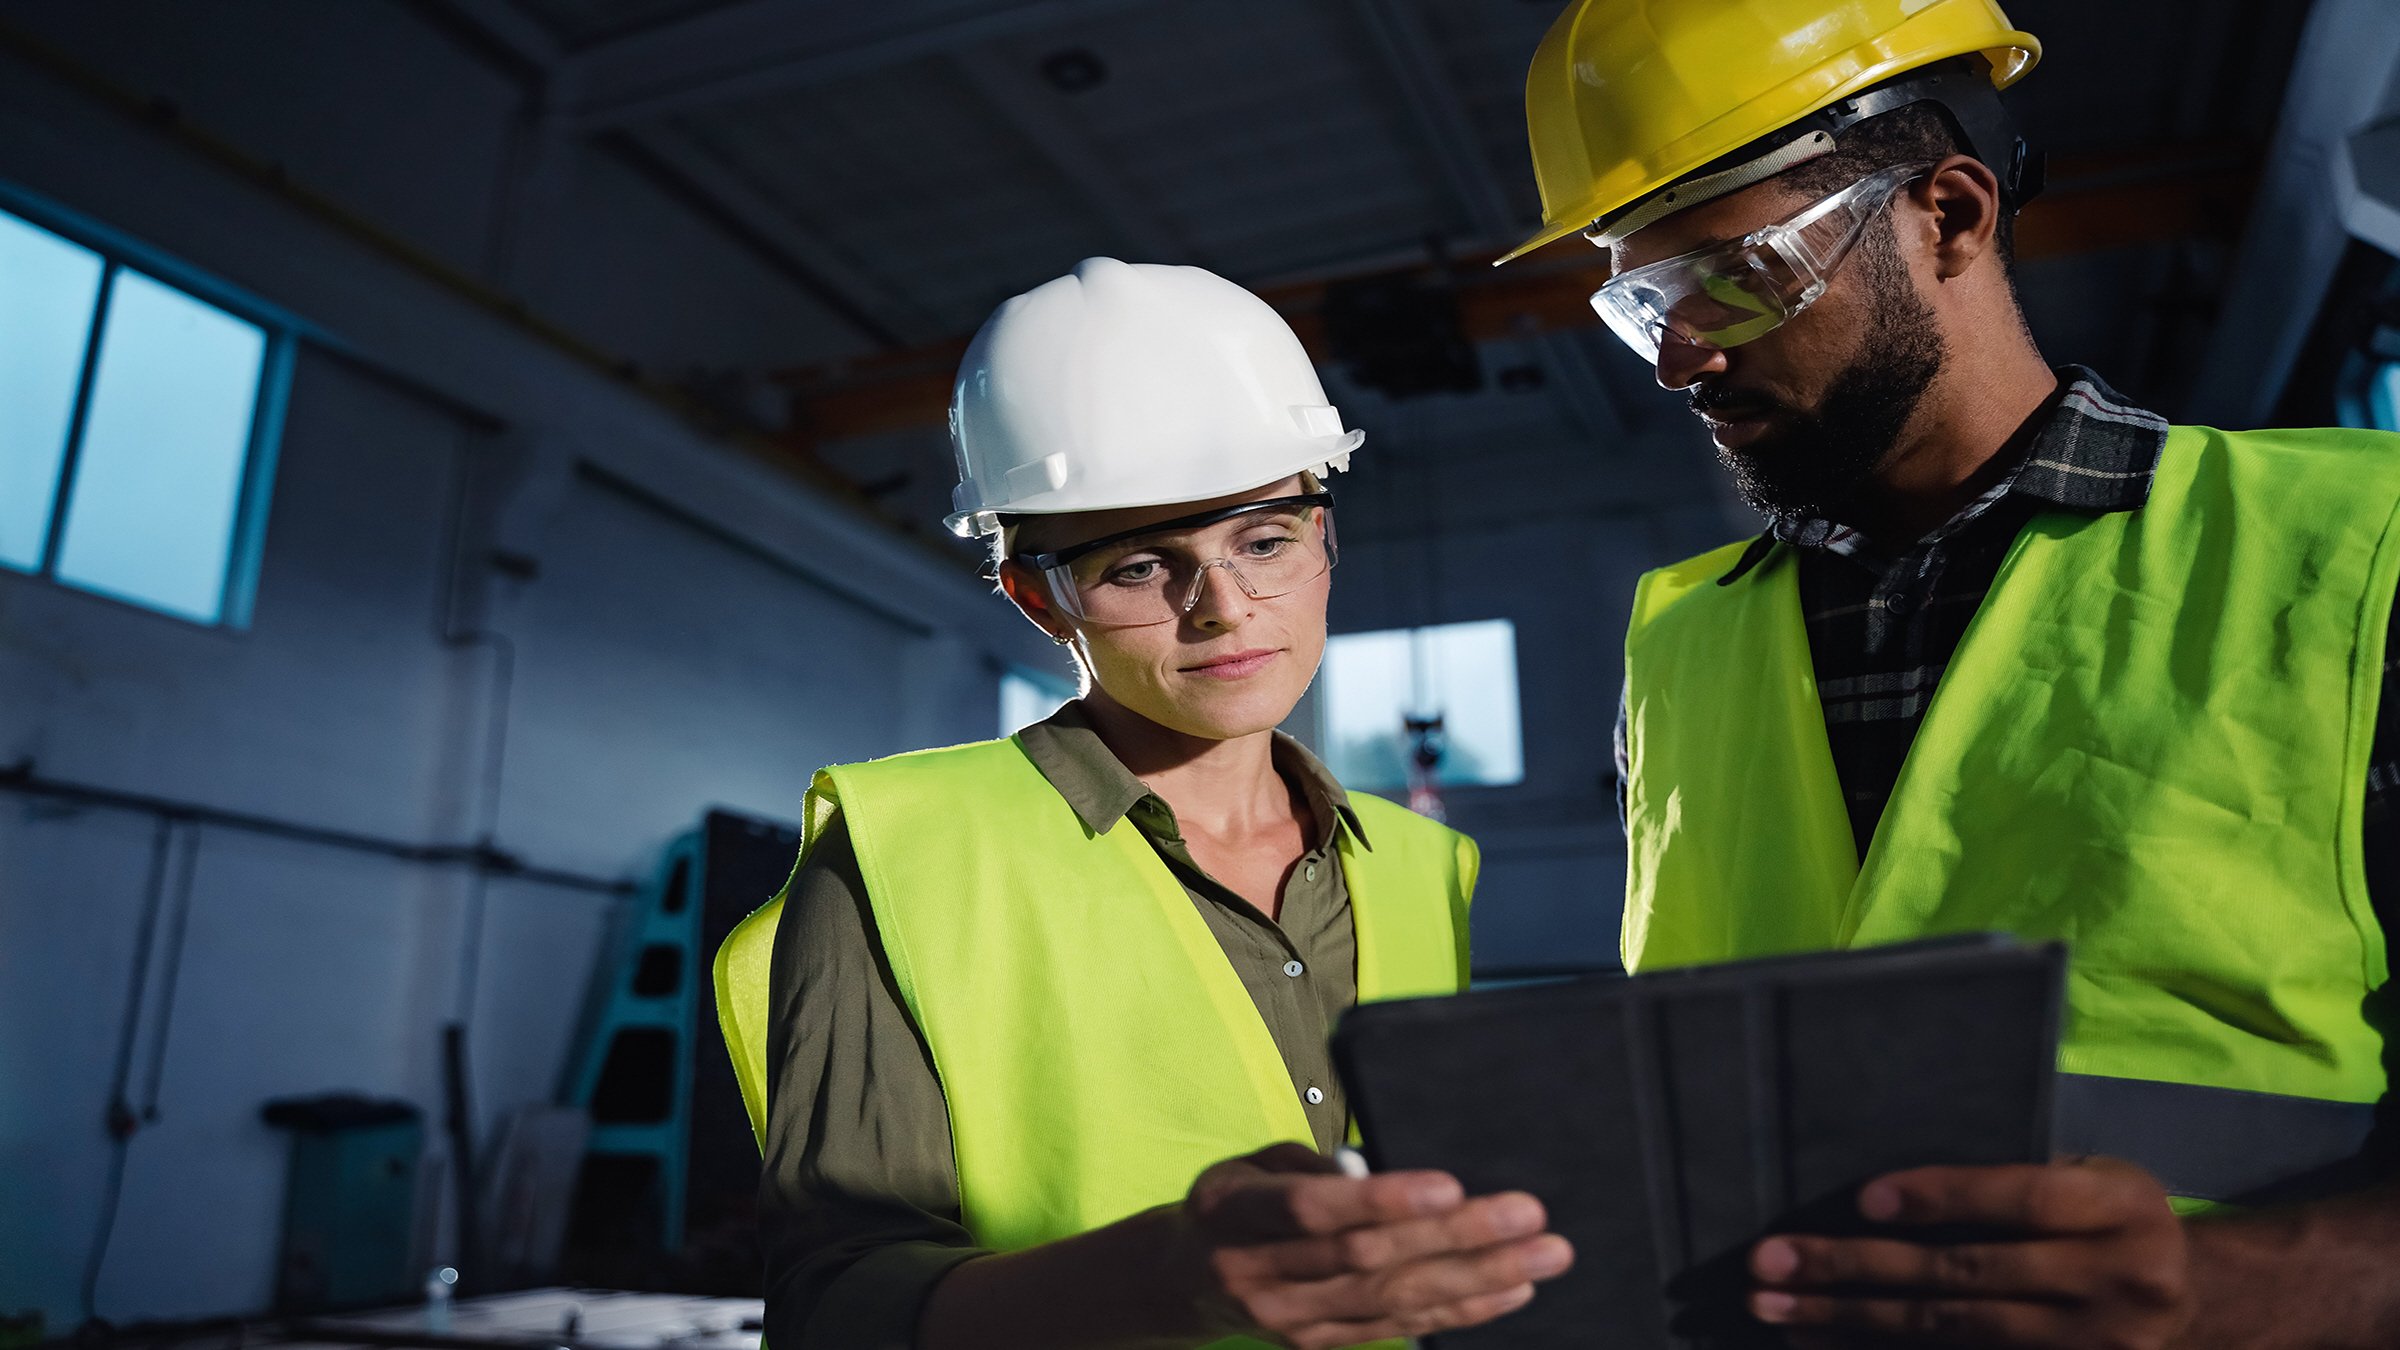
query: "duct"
2300, 226
2367, 185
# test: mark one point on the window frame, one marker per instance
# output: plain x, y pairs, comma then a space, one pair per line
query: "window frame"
283, 332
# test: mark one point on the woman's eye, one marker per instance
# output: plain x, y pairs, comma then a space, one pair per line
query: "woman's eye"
1267, 547
1134, 573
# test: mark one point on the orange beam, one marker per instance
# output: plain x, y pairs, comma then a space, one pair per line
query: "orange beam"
2096, 203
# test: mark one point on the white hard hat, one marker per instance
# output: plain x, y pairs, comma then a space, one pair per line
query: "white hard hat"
1133, 384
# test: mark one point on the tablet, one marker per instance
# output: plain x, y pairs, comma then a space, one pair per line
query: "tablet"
1668, 1121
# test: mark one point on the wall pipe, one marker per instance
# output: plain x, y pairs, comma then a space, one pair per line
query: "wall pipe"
488, 858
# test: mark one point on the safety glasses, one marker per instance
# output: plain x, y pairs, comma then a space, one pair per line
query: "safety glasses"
1728, 294
1155, 574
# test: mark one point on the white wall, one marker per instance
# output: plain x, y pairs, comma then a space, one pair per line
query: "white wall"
683, 644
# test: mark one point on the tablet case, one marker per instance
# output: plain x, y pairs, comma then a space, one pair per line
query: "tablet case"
1669, 1121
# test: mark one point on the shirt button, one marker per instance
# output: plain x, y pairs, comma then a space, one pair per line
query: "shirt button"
1293, 969
1311, 872
1315, 1095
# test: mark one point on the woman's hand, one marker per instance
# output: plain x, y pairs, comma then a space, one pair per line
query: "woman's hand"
1281, 1243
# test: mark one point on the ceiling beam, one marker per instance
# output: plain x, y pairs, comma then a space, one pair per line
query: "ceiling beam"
537, 178
760, 47
1413, 60
875, 311
1033, 113
2167, 195
709, 185
890, 391
504, 30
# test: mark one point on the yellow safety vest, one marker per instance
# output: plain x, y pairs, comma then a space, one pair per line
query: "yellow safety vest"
1096, 1049
2151, 743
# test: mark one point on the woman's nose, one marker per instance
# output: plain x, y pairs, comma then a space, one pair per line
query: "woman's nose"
1217, 594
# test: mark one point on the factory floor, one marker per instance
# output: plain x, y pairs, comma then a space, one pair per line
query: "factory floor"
532, 1319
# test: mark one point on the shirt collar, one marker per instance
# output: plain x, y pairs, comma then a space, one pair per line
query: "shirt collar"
2086, 450
1068, 751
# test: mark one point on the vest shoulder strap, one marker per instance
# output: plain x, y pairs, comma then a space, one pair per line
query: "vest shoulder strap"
1409, 893
1661, 588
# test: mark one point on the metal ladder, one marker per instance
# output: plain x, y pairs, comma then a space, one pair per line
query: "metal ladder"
633, 1065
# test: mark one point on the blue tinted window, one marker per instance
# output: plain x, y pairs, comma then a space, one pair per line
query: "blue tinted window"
1027, 698
1463, 673
136, 423
158, 483
48, 288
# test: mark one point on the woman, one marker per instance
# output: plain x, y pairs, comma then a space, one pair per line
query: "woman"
1047, 1050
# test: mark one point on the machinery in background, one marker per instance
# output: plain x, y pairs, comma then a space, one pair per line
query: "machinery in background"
349, 1199
666, 1191
1426, 746
557, 1318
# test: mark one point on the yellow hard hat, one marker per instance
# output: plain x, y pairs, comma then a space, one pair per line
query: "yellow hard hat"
1628, 96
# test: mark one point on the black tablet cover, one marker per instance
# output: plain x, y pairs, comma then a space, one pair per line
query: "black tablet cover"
1669, 1121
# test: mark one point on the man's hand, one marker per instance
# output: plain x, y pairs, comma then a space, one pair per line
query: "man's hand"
1280, 1243
2084, 1254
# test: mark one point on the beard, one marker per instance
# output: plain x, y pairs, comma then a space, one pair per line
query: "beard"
1812, 462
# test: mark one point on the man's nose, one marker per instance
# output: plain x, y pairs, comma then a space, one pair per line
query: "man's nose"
1681, 362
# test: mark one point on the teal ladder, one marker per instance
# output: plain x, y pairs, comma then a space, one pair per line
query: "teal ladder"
633, 1066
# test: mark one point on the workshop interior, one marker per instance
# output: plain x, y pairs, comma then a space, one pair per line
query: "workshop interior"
467, 466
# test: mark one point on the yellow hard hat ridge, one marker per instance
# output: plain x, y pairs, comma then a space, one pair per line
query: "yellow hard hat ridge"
1626, 97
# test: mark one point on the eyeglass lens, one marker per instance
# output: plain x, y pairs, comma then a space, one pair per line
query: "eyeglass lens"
1140, 585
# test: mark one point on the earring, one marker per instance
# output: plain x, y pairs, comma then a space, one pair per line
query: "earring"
1062, 639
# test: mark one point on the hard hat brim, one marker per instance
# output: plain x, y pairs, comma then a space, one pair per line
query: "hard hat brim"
1332, 456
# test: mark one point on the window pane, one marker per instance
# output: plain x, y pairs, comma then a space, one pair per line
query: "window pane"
1027, 698
158, 484
47, 289
1369, 686
1465, 673
1473, 685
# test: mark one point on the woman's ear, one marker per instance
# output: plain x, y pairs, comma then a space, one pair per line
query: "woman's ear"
1026, 589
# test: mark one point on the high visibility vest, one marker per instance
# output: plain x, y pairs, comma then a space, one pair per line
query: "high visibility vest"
2152, 743
1096, 1049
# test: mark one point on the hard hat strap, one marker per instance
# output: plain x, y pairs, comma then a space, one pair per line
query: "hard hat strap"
1693, 191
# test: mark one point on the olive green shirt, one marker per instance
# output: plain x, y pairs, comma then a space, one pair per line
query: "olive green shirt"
858, 1199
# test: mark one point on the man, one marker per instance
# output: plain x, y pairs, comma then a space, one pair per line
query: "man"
2012, 654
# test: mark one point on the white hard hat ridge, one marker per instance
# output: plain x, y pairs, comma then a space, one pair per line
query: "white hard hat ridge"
1133, 384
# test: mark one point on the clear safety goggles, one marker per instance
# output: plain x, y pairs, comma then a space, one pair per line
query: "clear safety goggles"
1728, 294
1155, 574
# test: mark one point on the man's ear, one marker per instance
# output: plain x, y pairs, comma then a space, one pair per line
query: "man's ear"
1963, 196
1026, 589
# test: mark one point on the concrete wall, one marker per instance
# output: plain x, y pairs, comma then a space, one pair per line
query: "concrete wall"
699, 629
